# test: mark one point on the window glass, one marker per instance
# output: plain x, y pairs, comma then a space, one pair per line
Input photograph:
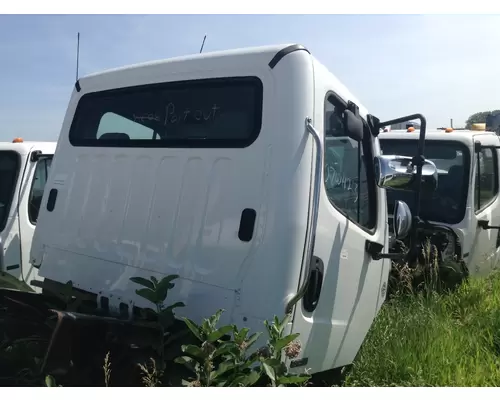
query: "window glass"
39, 181
9, 170
205, 113
345, 172
448, 202
486, 187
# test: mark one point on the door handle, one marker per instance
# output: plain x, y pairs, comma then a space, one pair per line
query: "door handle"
315, 284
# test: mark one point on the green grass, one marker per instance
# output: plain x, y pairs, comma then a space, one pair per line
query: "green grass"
435, 340
429, 339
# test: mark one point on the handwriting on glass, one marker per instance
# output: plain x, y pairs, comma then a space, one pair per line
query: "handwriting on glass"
173, 116
146, 117
335, 179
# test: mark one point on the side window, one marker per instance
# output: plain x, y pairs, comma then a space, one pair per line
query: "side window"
37, 187
486, 187
345, 174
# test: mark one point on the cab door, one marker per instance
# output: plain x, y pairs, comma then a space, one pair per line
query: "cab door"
486, 217
346, 286
12, 166
29, 207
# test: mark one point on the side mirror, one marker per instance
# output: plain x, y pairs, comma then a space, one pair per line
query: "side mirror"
353, 125
401, 220
398, 173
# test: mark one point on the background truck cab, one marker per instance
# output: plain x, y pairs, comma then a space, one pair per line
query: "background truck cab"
24, 168
466, 200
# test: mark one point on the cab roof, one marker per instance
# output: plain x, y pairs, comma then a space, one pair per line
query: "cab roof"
26, 147
267, 52
435, 134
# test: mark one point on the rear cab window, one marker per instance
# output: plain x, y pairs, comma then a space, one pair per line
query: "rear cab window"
9, 172
223, 112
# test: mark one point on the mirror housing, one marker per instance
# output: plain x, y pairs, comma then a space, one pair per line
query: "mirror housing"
353, 125
401, 220
399, 172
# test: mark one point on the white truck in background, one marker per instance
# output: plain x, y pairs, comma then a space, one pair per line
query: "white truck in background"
253, 174
24, 168
466, 203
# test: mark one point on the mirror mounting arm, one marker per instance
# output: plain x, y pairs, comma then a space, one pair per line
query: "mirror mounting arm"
418, 160
375, 251
485, 224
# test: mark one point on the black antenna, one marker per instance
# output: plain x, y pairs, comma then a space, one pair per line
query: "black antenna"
203, 44
77, 53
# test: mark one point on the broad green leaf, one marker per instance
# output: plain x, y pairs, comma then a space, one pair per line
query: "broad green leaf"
223, 368
175, 305
50, 381
278, 367
187, 362
226, 348
216, 335
147, 294
248, 379
183, 360
285, 322
164, 286
154, 280
143, 282
293, 379
253, 338
193, 328
269, 370
281, 343
237, 381
240, 336
253, 357
252, 378
194, 351
272, 362
205, 326
215, 318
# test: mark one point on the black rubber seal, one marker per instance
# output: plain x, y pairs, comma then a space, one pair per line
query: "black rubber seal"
77, 86
282, 53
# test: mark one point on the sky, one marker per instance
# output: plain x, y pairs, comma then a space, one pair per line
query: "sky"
441, 66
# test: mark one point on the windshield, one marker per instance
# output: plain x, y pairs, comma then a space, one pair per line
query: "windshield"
9, 168
447, 204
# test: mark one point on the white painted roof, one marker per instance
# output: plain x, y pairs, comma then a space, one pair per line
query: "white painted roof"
435, 134
266, 51
25, 147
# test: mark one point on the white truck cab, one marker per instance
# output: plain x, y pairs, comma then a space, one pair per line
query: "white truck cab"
24, 170
466, 199
253, 174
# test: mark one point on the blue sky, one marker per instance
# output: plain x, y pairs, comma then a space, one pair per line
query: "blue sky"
442, 66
